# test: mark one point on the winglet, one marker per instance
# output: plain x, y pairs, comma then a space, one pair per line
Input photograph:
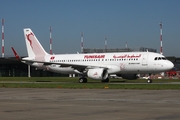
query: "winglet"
15, 54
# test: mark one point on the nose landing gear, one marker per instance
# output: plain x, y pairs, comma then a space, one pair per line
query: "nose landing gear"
149, 80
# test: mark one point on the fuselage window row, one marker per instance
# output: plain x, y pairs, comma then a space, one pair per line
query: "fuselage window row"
135, 59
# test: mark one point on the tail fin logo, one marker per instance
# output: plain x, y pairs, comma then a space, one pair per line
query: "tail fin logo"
28, 38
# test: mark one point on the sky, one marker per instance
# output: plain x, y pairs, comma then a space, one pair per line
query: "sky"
133, 21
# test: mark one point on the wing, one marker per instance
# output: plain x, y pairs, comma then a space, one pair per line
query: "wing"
15, 54
76, 66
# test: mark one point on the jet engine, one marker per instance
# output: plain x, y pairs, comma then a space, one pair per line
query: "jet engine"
98, 73
128, 76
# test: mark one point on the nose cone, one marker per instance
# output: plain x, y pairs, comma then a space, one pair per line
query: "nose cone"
169, 65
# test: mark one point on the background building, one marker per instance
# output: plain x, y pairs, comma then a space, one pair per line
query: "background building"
143, 49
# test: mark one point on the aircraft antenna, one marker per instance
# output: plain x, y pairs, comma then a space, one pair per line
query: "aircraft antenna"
161, 50
2, 37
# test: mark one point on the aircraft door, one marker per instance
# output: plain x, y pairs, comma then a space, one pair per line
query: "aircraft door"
145, 60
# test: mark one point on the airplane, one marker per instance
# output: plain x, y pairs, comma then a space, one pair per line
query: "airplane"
97, 66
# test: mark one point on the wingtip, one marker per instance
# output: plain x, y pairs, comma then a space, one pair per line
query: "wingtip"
15, 54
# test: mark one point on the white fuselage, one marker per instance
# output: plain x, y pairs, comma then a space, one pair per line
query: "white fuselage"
116, 63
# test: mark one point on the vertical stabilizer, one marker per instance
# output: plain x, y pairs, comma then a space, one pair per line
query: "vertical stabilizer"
34, 48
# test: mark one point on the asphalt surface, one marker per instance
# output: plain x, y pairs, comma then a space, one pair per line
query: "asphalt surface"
88, 104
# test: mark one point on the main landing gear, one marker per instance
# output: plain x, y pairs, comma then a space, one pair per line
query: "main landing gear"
106, 80
149, 80
82, 80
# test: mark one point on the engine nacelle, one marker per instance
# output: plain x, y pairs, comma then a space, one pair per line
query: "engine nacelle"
128, 76
97, 73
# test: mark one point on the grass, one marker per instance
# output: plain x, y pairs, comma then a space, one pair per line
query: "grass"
72, 83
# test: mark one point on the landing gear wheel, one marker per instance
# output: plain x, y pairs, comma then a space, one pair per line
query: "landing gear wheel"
106, 80
149, 81
82, 80
85, 80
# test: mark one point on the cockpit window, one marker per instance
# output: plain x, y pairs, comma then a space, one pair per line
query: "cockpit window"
159, 58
